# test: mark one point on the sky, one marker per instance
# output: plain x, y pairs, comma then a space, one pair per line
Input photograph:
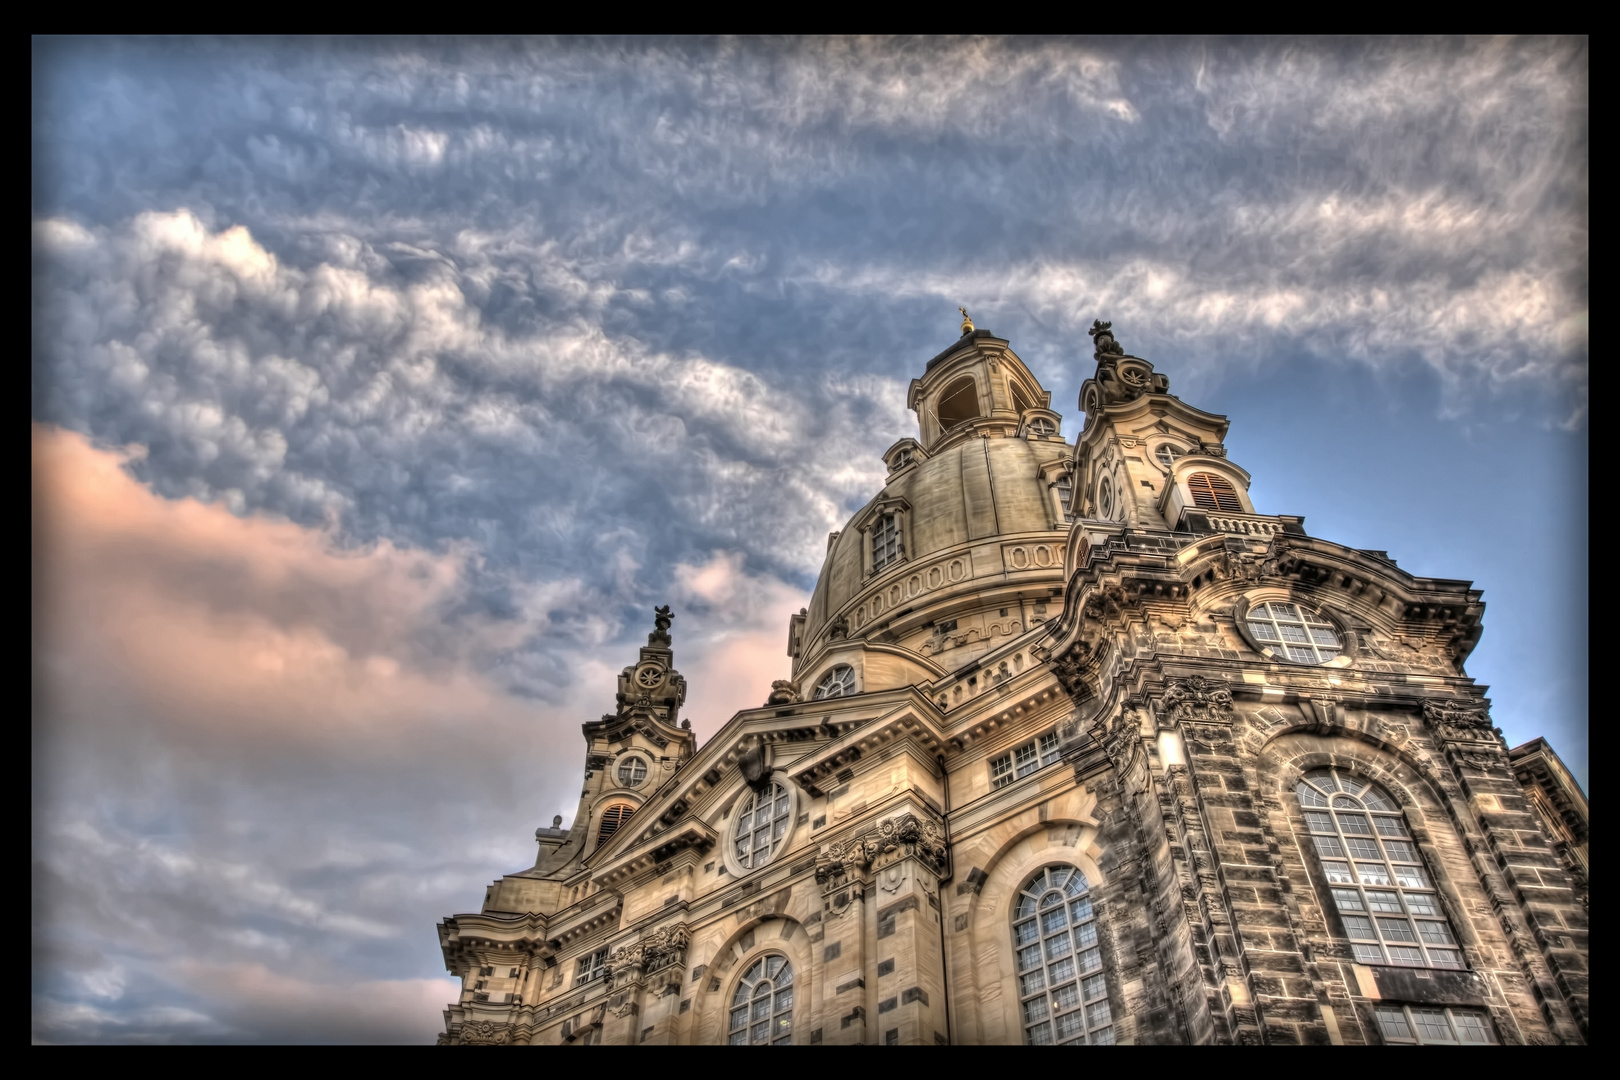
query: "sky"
381, 388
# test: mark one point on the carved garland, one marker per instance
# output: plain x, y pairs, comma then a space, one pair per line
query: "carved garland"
663, 948
1195, 700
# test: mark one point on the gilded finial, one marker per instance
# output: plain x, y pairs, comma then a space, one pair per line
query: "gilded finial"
967, 321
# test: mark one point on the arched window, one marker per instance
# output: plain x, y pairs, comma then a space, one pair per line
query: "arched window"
1021, 403
632, 771
1167, 454
1062, 995
1040, 425
839, 682
1379, 884
612, 818
762, 1007
1065, 494
887, 543
958, 402
762, 825
1211, 492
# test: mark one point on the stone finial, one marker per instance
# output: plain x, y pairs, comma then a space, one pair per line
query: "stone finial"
967, 321
782, 693
1103, 339
556, 822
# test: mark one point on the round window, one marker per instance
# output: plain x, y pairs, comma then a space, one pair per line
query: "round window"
1167, 454
762, 825
1042, 426
1105, 499
839, 682
632, 771
1291, 632
649, 676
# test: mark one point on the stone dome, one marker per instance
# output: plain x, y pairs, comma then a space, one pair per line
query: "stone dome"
978, 521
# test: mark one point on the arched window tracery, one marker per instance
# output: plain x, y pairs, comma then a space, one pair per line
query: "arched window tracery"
1379, 884
762, 1004
762, 825
1062, 991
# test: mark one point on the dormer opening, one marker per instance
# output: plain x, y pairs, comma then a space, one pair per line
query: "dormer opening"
958, 402
1021, 403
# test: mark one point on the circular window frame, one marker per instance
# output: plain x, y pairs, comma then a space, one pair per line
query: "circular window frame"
728, 852
1350, 640
623, 761
1105, 499
1177, 452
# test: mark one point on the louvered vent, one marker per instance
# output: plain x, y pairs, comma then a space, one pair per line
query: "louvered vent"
612, 818
1211, 492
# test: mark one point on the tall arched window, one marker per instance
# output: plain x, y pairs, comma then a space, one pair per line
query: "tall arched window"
1062, 995
612, 818
762, 1007
1380, 886
887, 543
1212, 492
762, 823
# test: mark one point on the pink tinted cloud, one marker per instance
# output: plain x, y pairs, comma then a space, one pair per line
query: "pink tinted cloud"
735, 640
245, 628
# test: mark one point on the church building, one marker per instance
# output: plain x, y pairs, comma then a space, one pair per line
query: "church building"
1080, 747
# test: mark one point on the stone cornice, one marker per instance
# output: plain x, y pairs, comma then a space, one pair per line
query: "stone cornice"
917, 720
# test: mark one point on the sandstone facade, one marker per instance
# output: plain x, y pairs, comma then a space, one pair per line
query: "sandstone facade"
1078, 746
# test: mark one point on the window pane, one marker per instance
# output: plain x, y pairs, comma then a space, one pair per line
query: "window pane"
1328, 847
1028, 958
1471, 1027
1435, 933
1408, 955
1033, 983
1411, 877
1024, 933
1396, 930
1062, 971
1317, 822
1098, 1014
1431, 1025
1103, 1037
1380, 900
1058, 947
1359, 926
1400, 851
1080, 910
1348, 900
1065, 998
1362, 849
1040, 1035
1368, 954
1053, 921
1372, 873
1070, 1025
1095, 987
1355, 824
1090, 960
1392, 1022
1389, 826
1338, 872
1085, 934
1309, 796
1035, 1009
1421, 903
1446, 958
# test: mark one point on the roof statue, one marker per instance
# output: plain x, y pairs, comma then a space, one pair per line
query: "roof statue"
1103, 338
661, 621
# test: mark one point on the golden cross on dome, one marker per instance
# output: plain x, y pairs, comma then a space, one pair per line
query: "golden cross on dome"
967, 321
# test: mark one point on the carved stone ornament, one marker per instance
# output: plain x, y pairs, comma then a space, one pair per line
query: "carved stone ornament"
1119, 736
1456, 721
838, 629
486, 1033
663, 948
755, 763
906, 833
1102, 338
1195, 701
782, 693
